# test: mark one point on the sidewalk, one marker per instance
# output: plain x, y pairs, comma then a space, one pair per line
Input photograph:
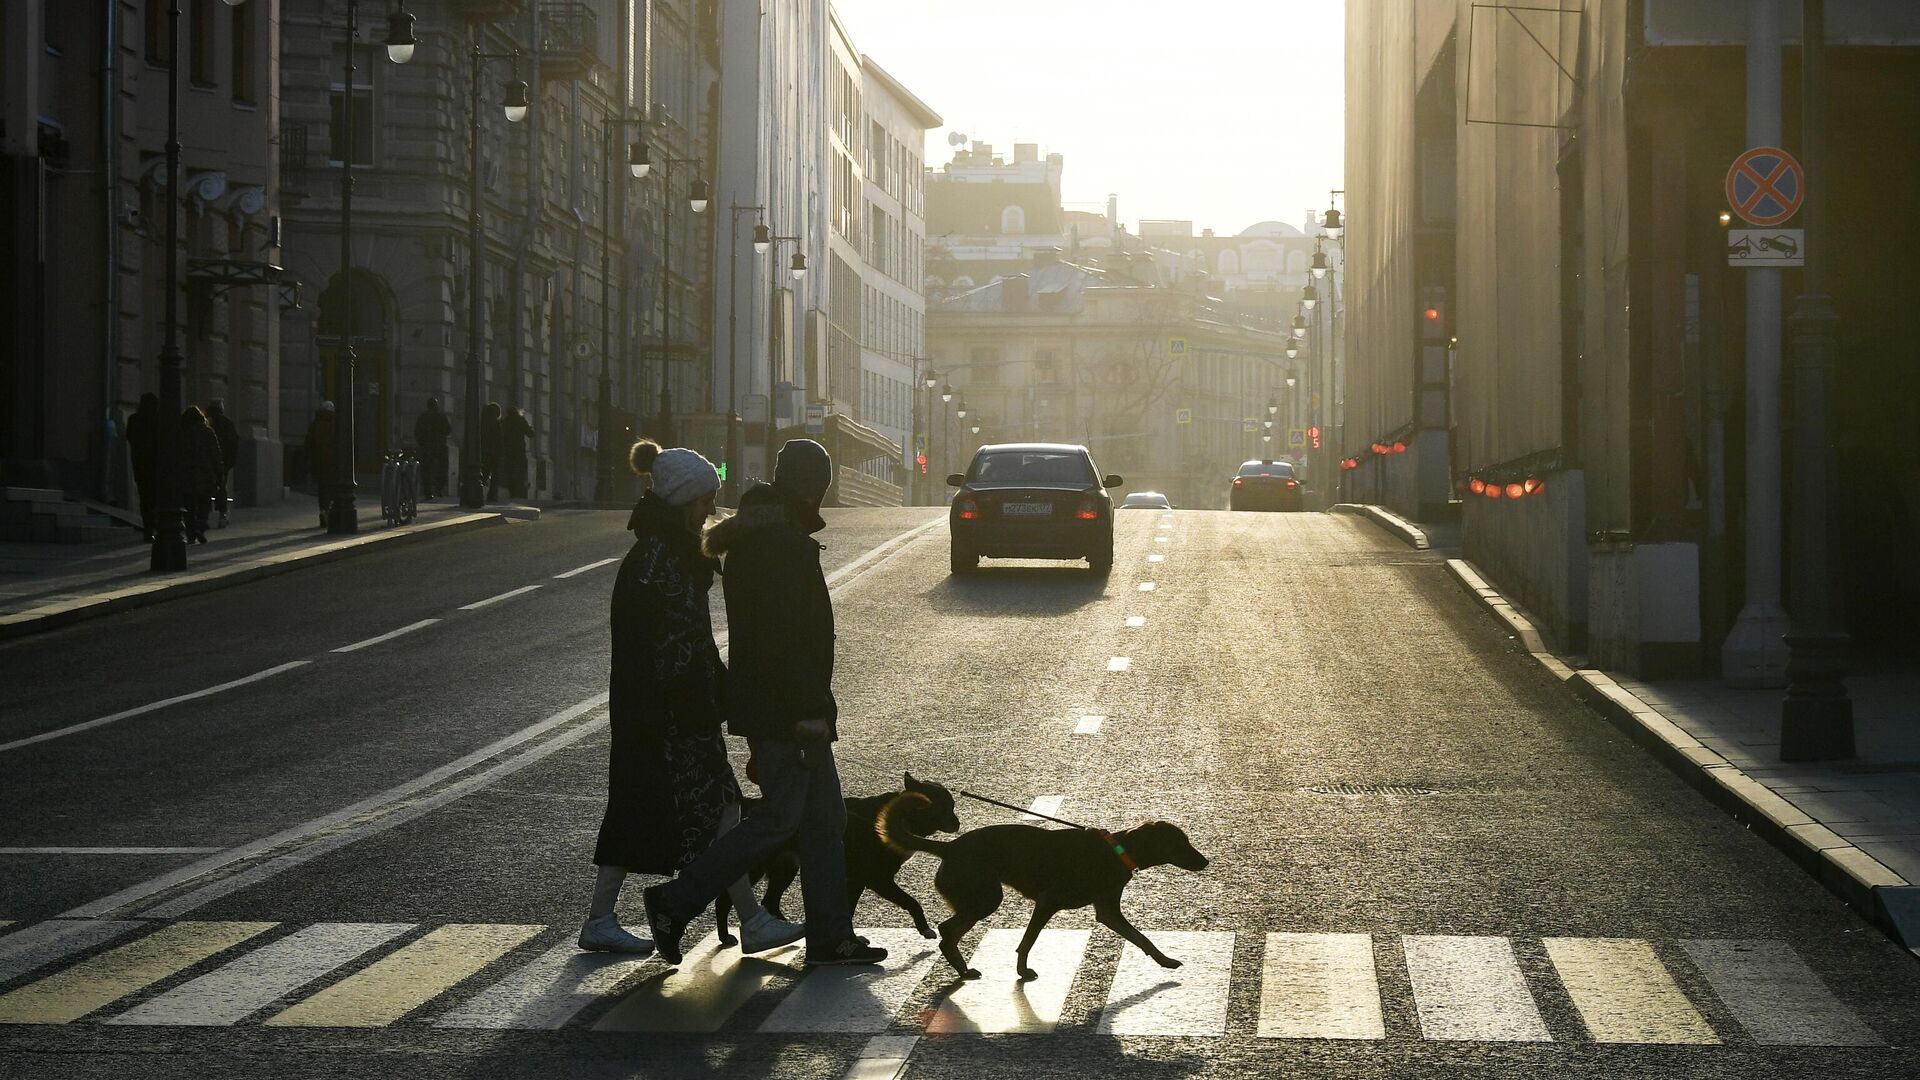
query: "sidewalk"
1853, 824
48, 585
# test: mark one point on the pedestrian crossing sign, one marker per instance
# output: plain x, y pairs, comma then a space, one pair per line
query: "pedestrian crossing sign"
1183, 416
1177, 346
1297, 438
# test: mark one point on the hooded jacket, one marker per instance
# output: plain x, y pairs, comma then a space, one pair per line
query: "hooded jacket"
779, 617
664, 664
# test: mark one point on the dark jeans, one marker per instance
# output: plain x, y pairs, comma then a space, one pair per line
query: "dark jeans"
799, 792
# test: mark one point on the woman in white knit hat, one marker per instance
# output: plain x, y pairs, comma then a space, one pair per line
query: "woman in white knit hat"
670, 788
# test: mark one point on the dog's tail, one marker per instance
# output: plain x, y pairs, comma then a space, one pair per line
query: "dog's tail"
905, 841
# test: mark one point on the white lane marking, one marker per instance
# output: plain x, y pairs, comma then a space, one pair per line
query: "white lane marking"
1191, 1000
1089, 725
998, 1001
388, 636
1320, 986
883, 1058
89, 725
1166, 525
1119, 663
1470, 988
1136, 621
107, 850
881, 553
326, 823
256, 980
1159, 539
547, 992
583, 569
857, 999
1156, 557
41, 944
702, 994
1623, 992
1146, 586
508, 595
1048, 805
1774, 994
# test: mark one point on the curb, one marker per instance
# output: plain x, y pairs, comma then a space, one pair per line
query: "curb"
67, 612
1403, 530
1879, 894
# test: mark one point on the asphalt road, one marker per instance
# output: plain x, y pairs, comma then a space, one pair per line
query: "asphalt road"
1427, 859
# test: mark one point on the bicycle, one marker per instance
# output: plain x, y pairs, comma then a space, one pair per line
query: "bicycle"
399, 487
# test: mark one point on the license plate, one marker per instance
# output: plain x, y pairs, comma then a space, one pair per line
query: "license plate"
1027, 509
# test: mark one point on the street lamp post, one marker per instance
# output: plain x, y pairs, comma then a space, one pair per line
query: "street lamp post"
514, 103
762, 243
170, 531
924, 389
697, 198
797, 267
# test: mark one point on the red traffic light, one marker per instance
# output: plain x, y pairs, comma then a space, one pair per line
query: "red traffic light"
1477, 486
1432, 314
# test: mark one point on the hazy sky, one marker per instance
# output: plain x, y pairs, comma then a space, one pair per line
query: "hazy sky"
1227, 112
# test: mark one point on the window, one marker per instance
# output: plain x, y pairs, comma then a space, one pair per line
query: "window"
159, 41
361, 115
200, 66
1013, 220
985, 368
244, 52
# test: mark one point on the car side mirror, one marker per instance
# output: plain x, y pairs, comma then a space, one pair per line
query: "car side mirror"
956, 480
1113, 481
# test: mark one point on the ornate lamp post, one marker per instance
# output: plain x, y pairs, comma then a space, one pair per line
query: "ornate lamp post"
641, 162
797, 268
514, 103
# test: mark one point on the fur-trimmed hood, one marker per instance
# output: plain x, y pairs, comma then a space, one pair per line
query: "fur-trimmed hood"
762, 507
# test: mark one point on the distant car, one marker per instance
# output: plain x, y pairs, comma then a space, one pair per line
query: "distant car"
1144, 500
1265, 485
1032, 501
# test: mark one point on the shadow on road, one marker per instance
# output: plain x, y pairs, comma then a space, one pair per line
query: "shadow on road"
1018, 591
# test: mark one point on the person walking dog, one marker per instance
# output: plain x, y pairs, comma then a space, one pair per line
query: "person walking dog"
670, 788
780, 699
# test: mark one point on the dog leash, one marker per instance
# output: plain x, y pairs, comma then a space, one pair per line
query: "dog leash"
1113, 841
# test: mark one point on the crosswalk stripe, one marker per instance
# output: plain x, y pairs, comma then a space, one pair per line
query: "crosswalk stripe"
858, 999
1776, 997
1191, 1000
997, 1002
1319, 986
547, 992
883, 1058
263, 976
1470, 988
1044, 806
98, 981
36, 946
703, 993
395, 985
1624, 994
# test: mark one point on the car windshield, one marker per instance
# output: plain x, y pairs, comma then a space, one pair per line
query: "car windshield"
1146, 498
1032, 467
1267, 468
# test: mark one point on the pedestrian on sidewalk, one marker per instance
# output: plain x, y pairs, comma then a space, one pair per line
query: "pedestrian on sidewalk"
430, 433
200, 475
229, 437
516, 435
490, 450
670, 788
143, 445
780, 699
320, 456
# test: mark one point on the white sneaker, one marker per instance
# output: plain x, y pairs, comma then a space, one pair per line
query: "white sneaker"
605, 934
763, 932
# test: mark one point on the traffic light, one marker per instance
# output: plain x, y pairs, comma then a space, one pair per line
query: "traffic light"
921, 460
722, 470
1313, 437
1433, 314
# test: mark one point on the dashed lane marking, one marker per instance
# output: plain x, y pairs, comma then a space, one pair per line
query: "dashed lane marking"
1156, 557
256, 980
1088, 725
548, 992
99, 981
1319, 986
508, 595
1471, 989
152, 706
856, 999
1776, 997
1623, 992
388, 636
1047, 805
1135, 622
36, 946
998, 1002
883, 1058
105, 851
1159, 539
1119, 663
399, 983
1146, 586
1191, 1001
578, 570
700, 995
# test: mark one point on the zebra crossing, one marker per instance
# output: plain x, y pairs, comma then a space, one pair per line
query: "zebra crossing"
1325, 986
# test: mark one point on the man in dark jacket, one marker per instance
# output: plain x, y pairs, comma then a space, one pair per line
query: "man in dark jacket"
229, 437
780, 699
431, 432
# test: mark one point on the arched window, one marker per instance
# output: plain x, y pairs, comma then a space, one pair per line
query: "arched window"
963, 282
1013, 220
1296, 261
1229, 262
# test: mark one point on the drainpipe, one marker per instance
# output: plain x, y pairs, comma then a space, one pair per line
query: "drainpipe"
110, 194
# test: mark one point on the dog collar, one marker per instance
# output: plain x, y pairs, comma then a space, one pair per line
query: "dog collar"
1120, 849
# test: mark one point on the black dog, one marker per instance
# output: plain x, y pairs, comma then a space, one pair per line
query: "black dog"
870, 863
1058, 869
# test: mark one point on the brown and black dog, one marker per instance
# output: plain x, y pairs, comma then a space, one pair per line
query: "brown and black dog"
1058, 869
870, 863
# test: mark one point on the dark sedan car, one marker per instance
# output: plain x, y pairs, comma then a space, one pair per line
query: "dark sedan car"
1265, 485
1032, 501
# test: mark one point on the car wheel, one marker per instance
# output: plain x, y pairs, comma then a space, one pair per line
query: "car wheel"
963, 561
1102, 561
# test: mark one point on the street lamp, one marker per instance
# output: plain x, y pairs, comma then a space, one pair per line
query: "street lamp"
762, 241
1274, 406
513, 102
1299, 327
1319, 266
1330, 221
762, 236
1293, 348
342, 516
697, 198
946, 394
1309, 296
797, 267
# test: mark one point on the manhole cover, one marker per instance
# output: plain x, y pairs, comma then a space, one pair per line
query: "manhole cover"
1369, 789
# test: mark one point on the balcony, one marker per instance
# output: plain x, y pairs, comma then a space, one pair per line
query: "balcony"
569, 40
